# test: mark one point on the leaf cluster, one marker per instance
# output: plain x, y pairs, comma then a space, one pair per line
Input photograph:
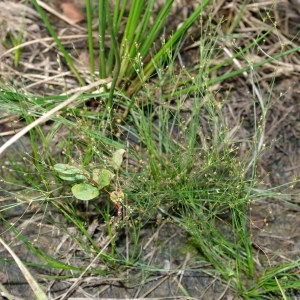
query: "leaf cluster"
87, 186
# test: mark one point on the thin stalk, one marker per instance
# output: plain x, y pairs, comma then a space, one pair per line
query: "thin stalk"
119, 13
117, 18
102, 26
58, 42
117, 61
155, 29
251, 66
144, 23
143, 40
240, 53
129, 34
89, 15
239, 16
148, 70
193, 88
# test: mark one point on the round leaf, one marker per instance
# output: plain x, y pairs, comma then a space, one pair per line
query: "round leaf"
85, 191
117, 159
103, 177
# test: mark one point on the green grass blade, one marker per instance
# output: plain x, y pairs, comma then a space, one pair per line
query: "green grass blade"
132, 24
58, 42
89, 14
156, 28
144, 39
102, 11
115, 47
141, 34
129, 34
250, 66
170, 44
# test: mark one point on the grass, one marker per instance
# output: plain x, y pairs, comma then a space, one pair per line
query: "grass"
182, 162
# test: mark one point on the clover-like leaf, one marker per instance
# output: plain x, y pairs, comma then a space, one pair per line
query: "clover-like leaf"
117, 159
103, 177
69, 173
85, 191
66, 169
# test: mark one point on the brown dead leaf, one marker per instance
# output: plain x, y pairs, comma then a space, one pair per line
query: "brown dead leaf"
72, 12
84, 59
3, 278
83, 62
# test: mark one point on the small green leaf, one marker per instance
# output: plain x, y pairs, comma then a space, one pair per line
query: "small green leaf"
117, 159
77, 177
71, 178
67, 169
85, 191
69, 173
80, 177
103, 177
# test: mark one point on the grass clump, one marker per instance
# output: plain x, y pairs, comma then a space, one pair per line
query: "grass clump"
147, 142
